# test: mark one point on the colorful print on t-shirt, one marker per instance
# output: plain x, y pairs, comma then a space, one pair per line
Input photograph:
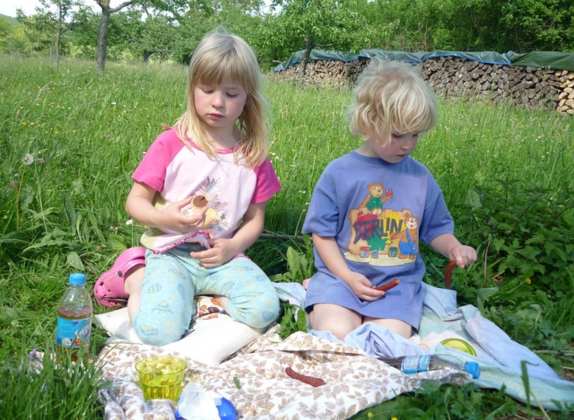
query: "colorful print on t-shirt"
207, 210
220, 189
382, 236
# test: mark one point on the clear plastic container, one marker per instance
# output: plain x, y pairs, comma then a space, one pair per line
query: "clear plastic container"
161, 377
74, 322
411, 365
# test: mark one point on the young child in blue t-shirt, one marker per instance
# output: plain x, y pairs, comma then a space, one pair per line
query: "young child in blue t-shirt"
371, 207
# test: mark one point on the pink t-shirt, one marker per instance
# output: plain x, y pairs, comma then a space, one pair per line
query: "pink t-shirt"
222, 189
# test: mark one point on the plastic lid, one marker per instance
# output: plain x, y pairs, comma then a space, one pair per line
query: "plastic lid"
473, 369
226, 410
77, 279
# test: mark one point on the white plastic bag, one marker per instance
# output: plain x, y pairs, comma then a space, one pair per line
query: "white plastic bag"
195, 403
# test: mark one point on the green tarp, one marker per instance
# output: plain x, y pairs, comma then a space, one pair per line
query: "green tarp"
544, 59
536, 59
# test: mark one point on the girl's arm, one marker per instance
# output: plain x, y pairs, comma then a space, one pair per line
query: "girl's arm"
331, 255
449, 246
140, 206
223, 250
251, 228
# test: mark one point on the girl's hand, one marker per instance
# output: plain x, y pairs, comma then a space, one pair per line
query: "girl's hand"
463, 255
221, 251
362, 287
173, 219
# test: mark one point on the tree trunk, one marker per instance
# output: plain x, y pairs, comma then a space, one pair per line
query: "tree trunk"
59, 32
102, 46
146, 56
307, 54
57, 49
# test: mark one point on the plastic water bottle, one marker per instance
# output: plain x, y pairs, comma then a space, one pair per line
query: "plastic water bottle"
74, 323
411, 365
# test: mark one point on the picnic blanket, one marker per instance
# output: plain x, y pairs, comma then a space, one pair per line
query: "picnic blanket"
256, 382
503, 362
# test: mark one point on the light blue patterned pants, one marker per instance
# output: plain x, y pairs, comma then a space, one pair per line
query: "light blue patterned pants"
173, 279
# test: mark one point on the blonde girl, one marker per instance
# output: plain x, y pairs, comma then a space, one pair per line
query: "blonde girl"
371, 207
201, 188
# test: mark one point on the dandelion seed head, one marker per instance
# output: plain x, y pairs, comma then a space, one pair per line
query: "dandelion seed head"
28, 159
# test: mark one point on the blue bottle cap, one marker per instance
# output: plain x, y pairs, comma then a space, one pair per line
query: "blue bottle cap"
473, 369
226, 410
77, 279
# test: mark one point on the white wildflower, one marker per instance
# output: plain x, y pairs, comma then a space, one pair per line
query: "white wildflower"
129, 222
28, 159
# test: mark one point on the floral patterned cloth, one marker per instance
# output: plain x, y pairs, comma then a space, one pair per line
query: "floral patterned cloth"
256, 382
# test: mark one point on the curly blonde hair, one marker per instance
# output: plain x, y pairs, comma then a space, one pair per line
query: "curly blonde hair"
223, 56
391, 97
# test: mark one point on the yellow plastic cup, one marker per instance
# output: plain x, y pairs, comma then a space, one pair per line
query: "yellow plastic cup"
161, 377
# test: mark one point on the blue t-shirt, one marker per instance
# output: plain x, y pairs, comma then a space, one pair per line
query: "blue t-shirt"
377, 212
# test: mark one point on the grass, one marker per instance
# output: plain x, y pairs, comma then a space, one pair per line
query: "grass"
69, 141
61, 391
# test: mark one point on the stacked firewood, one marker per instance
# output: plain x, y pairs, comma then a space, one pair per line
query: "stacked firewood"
566, 97
450, 76
456, 77
323, 73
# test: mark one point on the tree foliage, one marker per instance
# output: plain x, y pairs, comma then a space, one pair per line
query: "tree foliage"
307, 24
170, 29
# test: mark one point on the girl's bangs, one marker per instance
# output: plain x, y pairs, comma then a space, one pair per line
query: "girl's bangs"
215, 69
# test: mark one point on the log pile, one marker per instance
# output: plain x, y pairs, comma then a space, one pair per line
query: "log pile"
566, 97
456, 77
323, 73
452, 76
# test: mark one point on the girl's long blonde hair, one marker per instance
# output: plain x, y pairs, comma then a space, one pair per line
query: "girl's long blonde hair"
223, 56
389, 97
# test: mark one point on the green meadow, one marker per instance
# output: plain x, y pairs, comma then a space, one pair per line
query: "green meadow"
70, 139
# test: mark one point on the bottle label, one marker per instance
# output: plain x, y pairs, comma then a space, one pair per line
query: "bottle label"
73, 333
415, 364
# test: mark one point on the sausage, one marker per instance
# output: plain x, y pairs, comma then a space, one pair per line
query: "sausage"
389, 285
448, 273
309, 380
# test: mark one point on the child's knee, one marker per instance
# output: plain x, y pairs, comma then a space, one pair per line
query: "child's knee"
335, 319
266, 313
339, 331
157, 331
258, 311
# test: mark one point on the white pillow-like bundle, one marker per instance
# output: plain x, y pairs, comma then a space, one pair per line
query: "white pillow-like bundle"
213, 338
